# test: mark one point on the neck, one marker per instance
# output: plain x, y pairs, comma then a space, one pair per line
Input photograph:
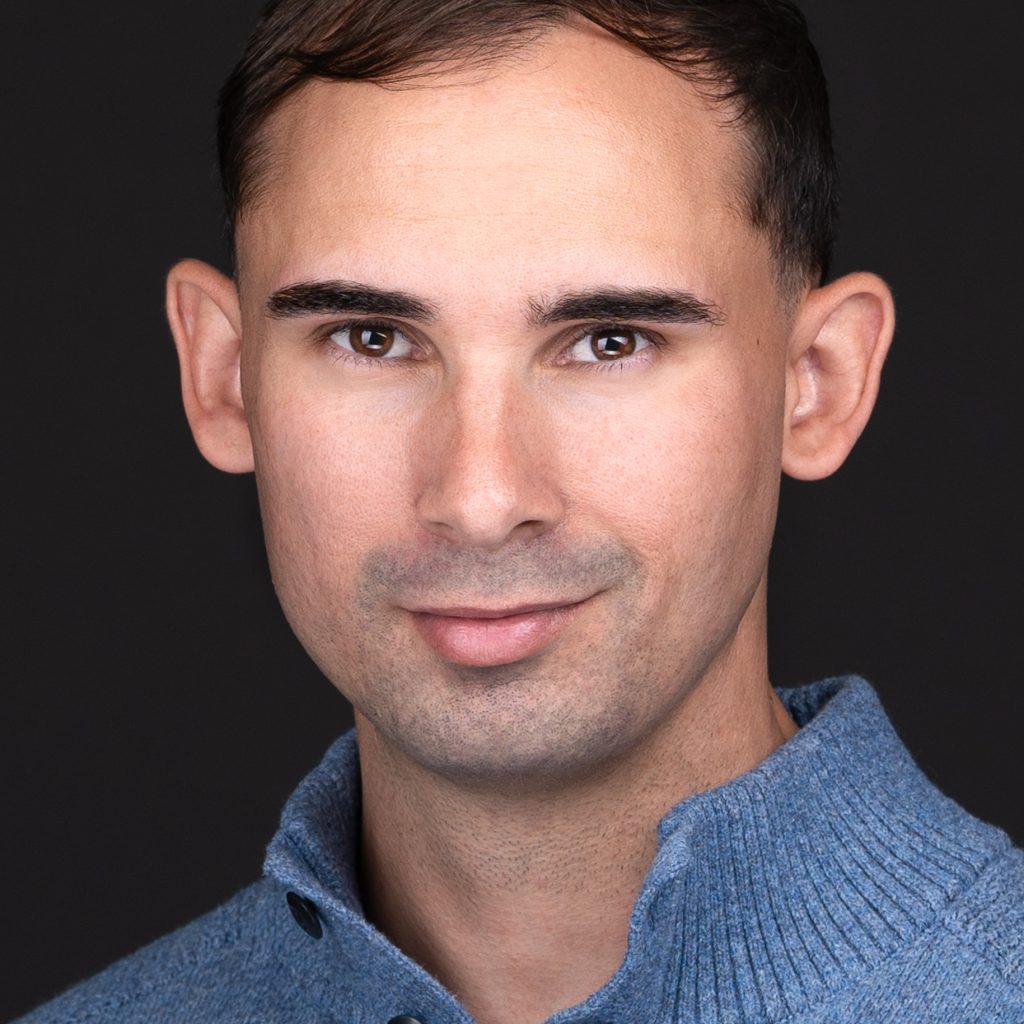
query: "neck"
519, 902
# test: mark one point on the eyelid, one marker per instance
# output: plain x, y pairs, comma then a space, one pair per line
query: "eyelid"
325, 335
611, 326
656, 341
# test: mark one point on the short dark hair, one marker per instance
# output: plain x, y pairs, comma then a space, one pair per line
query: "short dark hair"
752, 55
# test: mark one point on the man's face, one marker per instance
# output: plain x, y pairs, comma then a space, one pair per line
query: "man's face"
492, 452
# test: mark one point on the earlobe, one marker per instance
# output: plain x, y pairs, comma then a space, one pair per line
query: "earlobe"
841, 337
203, 311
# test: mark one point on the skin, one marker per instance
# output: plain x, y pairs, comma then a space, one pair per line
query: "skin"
493, 463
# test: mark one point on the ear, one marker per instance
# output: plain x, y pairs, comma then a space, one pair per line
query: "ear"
205, 318
840, 339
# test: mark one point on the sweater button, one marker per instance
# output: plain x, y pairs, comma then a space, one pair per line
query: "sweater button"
305, 913
405, 1019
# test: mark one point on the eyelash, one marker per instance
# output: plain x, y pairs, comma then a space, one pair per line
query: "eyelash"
336, 352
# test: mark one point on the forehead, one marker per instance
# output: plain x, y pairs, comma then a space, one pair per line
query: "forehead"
577, 158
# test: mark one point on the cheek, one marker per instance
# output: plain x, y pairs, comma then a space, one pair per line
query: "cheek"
689, 475
331, 477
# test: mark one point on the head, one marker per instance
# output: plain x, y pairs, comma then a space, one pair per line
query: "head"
752, 57
528, 311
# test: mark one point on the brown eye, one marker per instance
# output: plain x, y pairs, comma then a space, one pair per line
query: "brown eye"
611, 345
373, 341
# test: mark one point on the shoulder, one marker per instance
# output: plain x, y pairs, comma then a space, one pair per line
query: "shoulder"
988, 919
221, 967
969, 965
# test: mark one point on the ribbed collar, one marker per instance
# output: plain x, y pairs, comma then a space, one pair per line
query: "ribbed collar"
765, 894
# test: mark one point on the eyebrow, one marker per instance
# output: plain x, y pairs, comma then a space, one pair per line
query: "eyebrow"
655, 305
334, 297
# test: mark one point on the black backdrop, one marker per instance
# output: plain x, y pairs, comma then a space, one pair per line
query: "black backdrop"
156, 710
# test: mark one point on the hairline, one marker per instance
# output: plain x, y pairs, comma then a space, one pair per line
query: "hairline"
791, 277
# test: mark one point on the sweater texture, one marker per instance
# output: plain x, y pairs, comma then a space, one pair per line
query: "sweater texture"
832, 884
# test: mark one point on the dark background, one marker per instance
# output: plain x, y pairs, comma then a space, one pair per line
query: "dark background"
157, 711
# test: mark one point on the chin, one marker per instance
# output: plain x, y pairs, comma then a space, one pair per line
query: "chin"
503, 729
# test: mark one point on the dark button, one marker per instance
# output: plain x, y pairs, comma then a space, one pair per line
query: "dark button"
305, 913
405, 1019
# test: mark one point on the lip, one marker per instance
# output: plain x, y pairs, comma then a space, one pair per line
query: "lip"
482, 637
472, 612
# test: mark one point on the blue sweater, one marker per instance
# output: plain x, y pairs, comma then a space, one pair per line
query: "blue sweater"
832, 883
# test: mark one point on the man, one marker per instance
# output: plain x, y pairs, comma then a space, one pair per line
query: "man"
528, 316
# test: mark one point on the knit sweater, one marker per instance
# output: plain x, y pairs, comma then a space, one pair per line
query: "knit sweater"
832, 883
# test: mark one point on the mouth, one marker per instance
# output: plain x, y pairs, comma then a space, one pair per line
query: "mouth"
482, 637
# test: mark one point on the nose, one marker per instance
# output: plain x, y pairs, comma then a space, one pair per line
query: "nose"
485, 466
